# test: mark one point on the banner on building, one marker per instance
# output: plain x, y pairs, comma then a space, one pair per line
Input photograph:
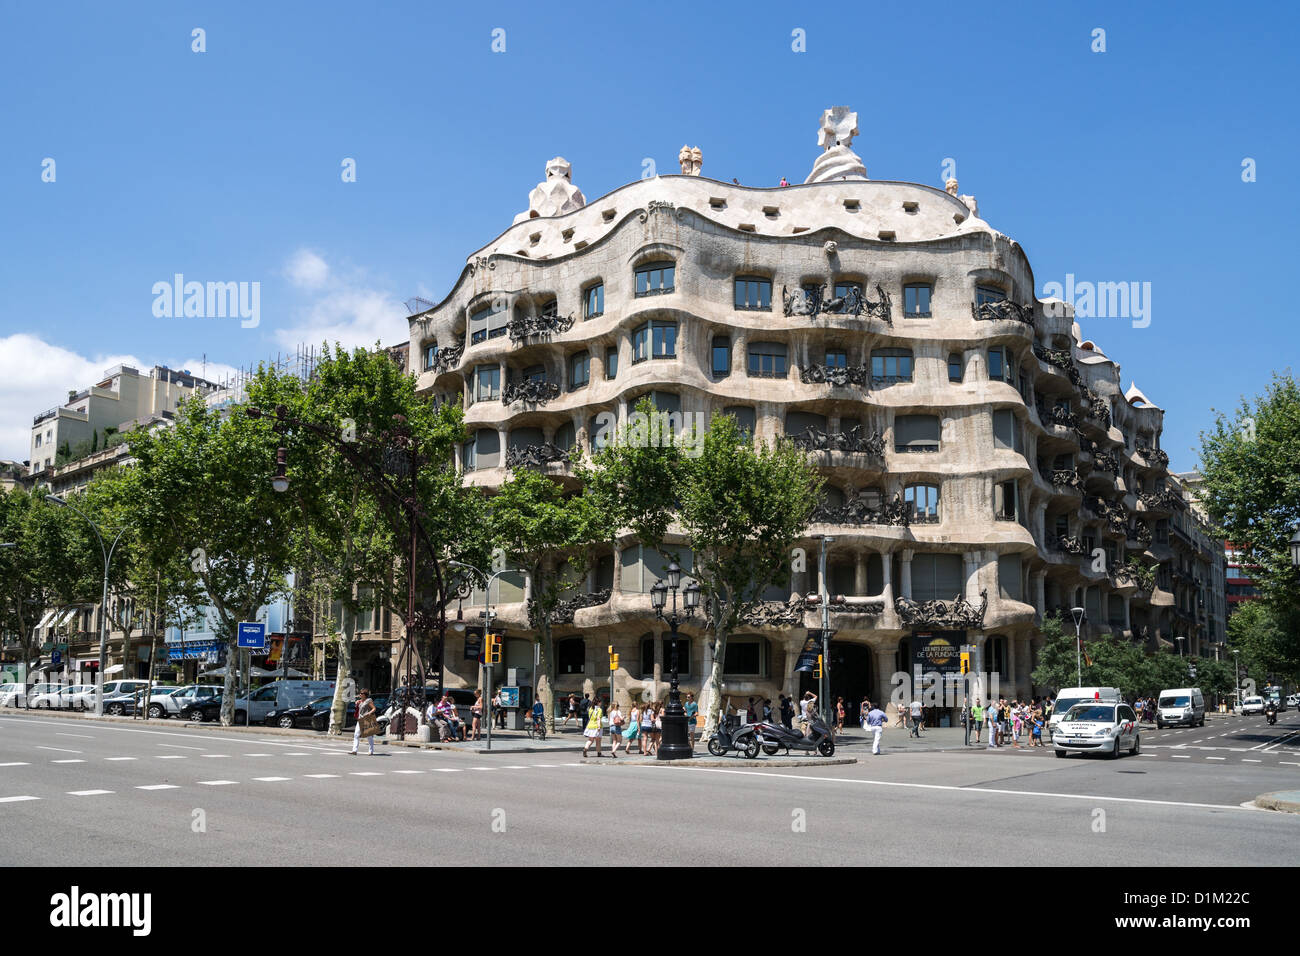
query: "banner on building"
938, 651
812, 648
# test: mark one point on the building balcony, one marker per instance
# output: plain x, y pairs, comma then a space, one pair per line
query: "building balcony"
854, 441
837, 375
1005, 310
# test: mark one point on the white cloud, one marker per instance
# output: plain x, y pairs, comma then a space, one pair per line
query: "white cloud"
307, 270
35, 376
343, 308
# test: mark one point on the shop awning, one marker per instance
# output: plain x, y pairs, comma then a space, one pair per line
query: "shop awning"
115, 669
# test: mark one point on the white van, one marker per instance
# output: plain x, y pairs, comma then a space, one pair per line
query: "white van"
278, 695
1182, 705
1067, 697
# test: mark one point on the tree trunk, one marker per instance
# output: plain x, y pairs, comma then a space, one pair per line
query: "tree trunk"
711, 692
228, 689
344, 687
546, 679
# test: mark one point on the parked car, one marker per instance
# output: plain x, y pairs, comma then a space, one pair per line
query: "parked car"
1181, 705
121, 705
300, 716
175, 702
86, 699
201, 710
37, 689
279, 695
62, 697
1252, 705
13, 695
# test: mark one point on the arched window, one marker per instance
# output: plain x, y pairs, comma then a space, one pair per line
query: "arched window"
655, 278
913, 433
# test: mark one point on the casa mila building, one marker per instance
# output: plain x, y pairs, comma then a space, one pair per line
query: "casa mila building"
983, 466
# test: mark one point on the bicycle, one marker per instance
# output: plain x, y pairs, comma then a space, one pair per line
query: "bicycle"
536, 729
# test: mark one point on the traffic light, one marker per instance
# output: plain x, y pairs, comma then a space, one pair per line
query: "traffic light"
965, 663
494, 649
613, 662
818, 672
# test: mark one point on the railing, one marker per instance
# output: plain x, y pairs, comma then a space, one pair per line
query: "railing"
859, 512
853, 441
536, 456
834, 375
531, 391
551, 323
1003, 309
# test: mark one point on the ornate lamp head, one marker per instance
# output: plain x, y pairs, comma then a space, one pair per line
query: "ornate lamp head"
674, 575
691, 597
658, 596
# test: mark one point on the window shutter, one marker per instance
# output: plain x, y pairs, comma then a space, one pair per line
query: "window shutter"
1009, 576
487, 445
1004, 428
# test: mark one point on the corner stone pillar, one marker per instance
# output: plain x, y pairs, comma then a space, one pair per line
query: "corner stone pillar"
860, 574
1040, 592
905, 572
884, 661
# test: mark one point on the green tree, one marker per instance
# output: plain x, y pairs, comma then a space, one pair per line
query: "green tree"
1251, 464
739, 504
206, 484
1267, 652
349, 477
549, 534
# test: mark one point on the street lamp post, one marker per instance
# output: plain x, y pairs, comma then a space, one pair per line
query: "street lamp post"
487, 628
1236, 676
107, 552
1078, 614
1179, 638
675, 744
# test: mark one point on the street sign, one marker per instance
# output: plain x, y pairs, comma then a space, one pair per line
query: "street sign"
252, 635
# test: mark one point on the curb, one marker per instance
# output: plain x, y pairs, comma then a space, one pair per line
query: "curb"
728, 762
1284, 801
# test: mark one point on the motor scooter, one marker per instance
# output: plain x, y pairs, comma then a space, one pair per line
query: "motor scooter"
742, 739
772, 737
1270, 713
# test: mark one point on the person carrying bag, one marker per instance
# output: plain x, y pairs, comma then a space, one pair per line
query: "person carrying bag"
367, 722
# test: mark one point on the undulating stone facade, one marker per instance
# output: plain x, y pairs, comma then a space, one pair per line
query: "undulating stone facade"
983, 465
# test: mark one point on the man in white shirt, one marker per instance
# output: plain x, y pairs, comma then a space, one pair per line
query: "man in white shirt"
917, 713
806, 709
875, 723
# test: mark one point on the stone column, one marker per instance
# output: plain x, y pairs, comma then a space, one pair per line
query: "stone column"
886, 577
1010, 676
1023, 665
884, 661
1040, 592
971, 565
905, 572
860, 574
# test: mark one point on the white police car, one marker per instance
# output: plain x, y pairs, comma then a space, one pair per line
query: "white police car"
1098, 725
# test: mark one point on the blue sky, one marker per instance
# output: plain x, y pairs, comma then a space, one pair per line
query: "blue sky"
225, 165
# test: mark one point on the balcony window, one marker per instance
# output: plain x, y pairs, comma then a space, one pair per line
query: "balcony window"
654, 340
535, 373
891, 366
837, 358
487, 383
1006, 430
955, 371
916, 433
987, 293
1062, 526
579, 370
430, 354
655, 278
754, 294
721, 356
745, 417
593, 301
566, 436
843, 290
571, 656
922, 502
767, 360
916, 301
483, 450
1005, 500
1002, 365
611, 362
488, 323
937, 577
746, 657
1009, 577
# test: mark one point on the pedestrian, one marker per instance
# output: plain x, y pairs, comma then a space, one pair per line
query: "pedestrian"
659, 726
435, 720
977, 718
807, 710
964, 717
864, 708
902, 715
1036, 737
767, 710
365, 709
593, 732
916, 712
783, 182
476, 712
787, 712
874, 722
615, 728
633, 731
994, 719
572, 710
499, 710
839, 715
584, 705
750, 716
692, 714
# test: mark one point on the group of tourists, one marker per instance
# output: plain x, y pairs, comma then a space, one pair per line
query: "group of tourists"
642, 724
1006, 721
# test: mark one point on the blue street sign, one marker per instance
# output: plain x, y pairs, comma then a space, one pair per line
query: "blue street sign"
252, 635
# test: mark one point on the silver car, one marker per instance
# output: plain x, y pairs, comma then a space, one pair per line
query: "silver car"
1099, 726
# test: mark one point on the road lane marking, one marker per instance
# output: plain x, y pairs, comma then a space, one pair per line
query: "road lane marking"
13, 718
87, 793
1181, 756
366, 773
82, 736
486, 768
159, 786
408, 771
171, 757
179, 747
66, 760
217, 783
514, 768
16, 763
16, 799
1247, 760
448, 769
62, 750
204, 755
320, 776
271, 779
296, 753
937, 786
1216, 758
121, 758
257, 755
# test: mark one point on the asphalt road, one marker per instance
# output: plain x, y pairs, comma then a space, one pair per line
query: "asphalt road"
103, 794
